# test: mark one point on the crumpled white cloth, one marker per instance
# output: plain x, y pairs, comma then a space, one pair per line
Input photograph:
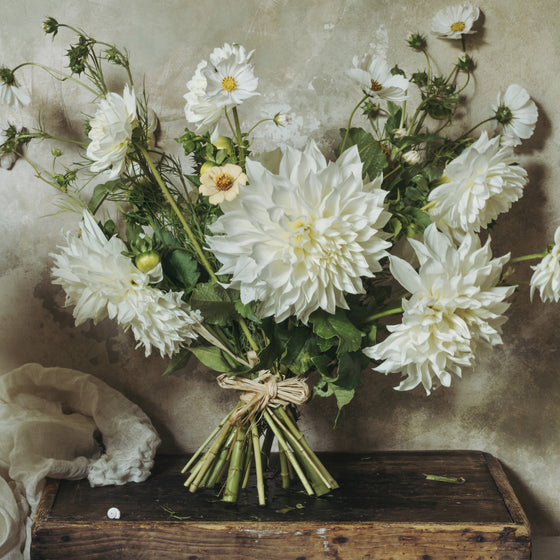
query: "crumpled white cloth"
50, 423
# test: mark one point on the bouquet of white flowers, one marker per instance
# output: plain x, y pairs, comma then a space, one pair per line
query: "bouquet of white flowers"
271, 277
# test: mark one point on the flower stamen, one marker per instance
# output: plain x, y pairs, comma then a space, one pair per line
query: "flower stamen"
375, 85
224, 182
229, 83
458, 26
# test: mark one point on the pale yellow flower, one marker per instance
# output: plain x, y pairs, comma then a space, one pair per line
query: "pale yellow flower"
222, 183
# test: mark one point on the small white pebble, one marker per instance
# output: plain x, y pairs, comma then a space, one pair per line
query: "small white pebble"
113, 513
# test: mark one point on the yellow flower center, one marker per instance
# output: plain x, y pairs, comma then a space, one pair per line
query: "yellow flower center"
229, 83
224, 182
375, 85
457, 26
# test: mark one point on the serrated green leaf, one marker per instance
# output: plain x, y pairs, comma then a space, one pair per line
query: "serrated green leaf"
182, 269
327, 326
247, 311
371, 153
214, 302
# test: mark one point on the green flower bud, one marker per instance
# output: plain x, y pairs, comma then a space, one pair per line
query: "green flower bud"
417, 41
50, 25
147, 261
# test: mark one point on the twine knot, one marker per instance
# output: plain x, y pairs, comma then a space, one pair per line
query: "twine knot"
266, 390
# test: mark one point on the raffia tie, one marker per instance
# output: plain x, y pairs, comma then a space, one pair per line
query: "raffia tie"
266, 390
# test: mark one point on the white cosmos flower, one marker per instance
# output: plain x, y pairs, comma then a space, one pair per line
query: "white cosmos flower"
373, 74
516, 113
111, 132
482, 183
229, 76
546, 275
199, 109
455, 21
10, 93
455, 308
101, 282
222, 183
300, 240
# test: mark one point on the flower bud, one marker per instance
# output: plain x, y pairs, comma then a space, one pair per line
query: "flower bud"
206, 166
224, 143
147, 261
50, 25
399, 133
281, 119
411, 157
416, 41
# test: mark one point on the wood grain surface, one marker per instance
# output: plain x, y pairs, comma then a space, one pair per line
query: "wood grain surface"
385, 509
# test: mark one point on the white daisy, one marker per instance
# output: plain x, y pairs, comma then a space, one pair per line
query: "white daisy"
455, 308
373, 74
101, 282
455, 21
10, 93
546, 275
300, 240
222, 183
111, 132
482, 183
516, 113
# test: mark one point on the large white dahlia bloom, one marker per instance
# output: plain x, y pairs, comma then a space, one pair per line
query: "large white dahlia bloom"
455, 307
482, 183
111, 132
299, 240
546, 275
101, 282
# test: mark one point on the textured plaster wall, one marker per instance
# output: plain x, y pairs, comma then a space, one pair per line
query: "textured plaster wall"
508, 406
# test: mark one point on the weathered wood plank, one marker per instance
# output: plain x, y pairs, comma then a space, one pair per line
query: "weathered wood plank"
385, 509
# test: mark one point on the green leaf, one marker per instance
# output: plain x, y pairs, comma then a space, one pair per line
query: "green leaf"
371, 153
178, 361
247, 311
100, 193
182, 269
214, 302
327, 326
212, 357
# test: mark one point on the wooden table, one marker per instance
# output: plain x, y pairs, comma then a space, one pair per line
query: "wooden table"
385, 509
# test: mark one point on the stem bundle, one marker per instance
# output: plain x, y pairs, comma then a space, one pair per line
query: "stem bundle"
235, 447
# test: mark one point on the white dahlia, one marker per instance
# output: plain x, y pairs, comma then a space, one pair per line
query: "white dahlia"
373, 75
516, 113
101, 282
111, 132
455, 308
300, 240
482, 183
455, 21
546, 275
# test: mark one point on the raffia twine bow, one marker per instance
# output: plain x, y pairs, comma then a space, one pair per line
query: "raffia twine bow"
266, 390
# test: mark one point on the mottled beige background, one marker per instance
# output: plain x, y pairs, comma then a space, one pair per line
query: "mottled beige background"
508, 406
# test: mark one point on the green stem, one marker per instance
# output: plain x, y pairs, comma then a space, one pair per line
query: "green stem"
344, 140
534, 256
386, 313
235, 467
178, 213
284, 474
289, 453
239, 136
475, 127
61, 75
258, 464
